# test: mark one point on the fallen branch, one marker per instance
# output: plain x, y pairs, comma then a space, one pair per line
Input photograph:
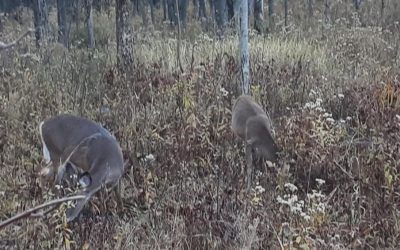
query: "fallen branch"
31, 212
13, 43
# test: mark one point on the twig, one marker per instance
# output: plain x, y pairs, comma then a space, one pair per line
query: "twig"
13, 43
30, 212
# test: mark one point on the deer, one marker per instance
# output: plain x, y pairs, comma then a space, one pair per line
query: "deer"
252, 124
88, 148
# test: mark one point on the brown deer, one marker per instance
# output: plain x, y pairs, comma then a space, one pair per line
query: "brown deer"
251, 123
86, 146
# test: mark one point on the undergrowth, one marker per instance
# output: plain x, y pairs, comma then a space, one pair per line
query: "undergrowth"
334, 102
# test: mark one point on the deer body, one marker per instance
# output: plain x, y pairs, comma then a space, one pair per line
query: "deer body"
87, 146
251, 123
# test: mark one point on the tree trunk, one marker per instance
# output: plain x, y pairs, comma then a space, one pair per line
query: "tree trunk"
202, 9
236, 9
143, 11
221, 14
286, 12
77, 15
357, 4
326, 12
124, 36
196, 9
271, 15
259, 16
40, 16
165, 10
89, 23
182, 5
310, 8
231, 9
153, 20
172, 15
212, 8
244, 47
382, 9
62, 22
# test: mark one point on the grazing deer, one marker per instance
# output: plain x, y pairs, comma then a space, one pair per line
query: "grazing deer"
85, 145
251, 123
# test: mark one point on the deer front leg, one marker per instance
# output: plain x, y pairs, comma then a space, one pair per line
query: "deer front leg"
249, 166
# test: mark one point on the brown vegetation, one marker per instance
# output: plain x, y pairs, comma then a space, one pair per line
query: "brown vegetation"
332, 94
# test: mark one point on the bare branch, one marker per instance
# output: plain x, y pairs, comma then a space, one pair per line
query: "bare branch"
31, 212
13, 43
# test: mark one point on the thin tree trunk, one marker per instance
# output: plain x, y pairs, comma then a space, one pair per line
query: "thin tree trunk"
62, 22
172, 15
244, 47
286, 12
221, 14
310, 8
259, 16
77, 15
165, 10
182, 6
202, 9
382, 9
196, 9
326, 12
89, 23
271, 15
143, 11
40, 15
124, 36
153, 20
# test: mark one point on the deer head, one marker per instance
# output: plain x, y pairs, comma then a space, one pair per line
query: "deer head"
87, 147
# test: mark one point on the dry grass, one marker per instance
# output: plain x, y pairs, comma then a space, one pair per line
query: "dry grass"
334, 101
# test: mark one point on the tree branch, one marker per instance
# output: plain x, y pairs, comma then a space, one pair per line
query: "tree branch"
30, 212
13, 43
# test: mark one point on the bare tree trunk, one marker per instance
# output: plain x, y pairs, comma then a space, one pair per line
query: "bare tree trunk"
40, 15
286, 12
357, 4
271, 15
153, 20
259, 16
202, 9
212, 8
77, 15
143, 11
382, 9
326, 11
182, 5
221, 10
89, 23
172, 14
124, 36
165, 10
62, 22
244, 47
196, 9
310, 8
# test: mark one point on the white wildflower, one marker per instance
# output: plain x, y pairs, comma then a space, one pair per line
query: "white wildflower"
329, 119
348, 118
150, 158
291, 187
341, 96
320, 181
224, 92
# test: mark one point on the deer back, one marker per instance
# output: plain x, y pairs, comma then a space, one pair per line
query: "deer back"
251, 123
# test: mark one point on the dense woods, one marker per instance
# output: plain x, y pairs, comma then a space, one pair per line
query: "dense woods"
163, 76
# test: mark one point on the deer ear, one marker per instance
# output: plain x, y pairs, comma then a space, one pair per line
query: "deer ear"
85, 180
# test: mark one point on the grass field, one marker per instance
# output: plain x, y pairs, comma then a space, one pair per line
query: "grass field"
334, 97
